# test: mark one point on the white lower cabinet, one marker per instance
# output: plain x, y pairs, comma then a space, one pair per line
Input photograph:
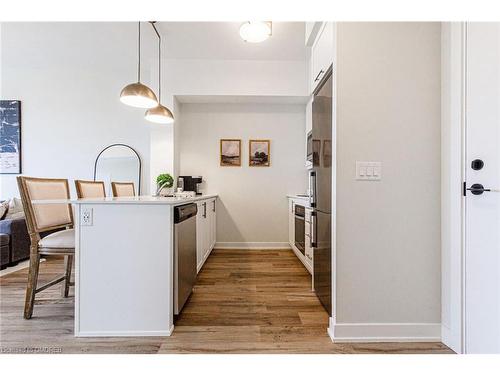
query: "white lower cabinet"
307, 258
206, 228
308, 247
291, 223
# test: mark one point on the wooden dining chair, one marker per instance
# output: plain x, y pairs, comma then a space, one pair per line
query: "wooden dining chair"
40, 219
90, 189
123, 189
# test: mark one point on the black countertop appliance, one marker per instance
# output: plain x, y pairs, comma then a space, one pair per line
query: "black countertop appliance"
191, 183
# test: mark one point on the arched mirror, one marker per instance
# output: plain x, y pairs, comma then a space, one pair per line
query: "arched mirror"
118, 163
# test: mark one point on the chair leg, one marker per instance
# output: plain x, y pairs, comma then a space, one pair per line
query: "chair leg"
68, 264
32, 284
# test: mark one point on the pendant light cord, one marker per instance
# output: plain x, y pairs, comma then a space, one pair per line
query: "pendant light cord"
139, 54
159, 59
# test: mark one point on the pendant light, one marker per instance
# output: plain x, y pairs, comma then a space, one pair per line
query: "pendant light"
256, 31
159, 114
137, 94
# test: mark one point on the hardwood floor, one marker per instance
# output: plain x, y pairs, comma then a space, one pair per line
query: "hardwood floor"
244, 302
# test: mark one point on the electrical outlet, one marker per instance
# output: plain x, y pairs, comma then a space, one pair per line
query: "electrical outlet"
86, 217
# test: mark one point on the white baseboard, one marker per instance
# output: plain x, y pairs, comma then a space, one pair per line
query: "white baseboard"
126, 333
253, 245
385, 332
450, 340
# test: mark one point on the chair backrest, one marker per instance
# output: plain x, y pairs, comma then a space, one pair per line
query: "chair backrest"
90, 189
45, 217
123, 189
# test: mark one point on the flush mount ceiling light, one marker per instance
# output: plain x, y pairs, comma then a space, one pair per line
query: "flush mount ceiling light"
256, 31
136, 94
159, 114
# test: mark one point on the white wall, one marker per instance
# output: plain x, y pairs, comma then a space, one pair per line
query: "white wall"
69, 76
253, 204
388, 232
226, 78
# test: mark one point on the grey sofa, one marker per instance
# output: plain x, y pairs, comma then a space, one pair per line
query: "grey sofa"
18, 241
4, 250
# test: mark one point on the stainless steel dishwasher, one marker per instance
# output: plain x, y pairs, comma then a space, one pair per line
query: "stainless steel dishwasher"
184, 253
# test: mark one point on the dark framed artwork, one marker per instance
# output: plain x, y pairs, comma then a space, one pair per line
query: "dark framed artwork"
10, 137
259, 153
230, 152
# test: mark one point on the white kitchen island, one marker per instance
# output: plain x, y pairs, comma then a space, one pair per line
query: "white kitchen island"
124, 265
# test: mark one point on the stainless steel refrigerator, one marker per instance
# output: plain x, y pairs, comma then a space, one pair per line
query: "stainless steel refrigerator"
320, 185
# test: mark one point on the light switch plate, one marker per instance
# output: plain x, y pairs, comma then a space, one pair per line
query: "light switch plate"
86, 218
368, 170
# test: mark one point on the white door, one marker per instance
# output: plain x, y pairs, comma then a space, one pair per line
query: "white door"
482, 218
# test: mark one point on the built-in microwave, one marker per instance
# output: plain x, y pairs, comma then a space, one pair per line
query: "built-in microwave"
309, 155
313, 150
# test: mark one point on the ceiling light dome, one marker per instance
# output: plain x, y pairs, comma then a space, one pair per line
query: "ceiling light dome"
139, 96
256, 31
159, 115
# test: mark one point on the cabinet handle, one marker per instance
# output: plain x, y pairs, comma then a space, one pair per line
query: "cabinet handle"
313, 230
214, 206
319, 74
204, 209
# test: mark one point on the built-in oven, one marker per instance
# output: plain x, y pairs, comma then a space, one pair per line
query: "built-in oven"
300, 226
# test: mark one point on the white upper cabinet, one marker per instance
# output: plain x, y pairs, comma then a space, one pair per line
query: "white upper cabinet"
322, 53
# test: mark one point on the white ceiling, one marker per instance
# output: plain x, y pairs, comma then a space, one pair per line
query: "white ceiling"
221, 40
84, 43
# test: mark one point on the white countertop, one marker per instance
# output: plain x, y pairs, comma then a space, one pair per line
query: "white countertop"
143, 199
295, 196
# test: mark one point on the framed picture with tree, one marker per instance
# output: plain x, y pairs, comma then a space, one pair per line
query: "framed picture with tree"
259, 153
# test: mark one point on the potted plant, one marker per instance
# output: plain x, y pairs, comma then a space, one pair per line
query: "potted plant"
164, 181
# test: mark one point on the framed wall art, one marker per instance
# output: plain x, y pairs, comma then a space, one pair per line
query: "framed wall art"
230, 152
259, 153
10, 137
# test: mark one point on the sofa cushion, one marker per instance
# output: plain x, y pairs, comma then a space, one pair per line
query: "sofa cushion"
4, 207
63, 239
15, 210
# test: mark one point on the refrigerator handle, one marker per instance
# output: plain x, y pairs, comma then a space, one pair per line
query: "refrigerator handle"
312, 188
313, 229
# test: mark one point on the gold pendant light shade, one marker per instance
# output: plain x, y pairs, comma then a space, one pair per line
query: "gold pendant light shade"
159, 115
139, 96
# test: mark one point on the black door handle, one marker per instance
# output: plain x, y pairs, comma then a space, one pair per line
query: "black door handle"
477, 189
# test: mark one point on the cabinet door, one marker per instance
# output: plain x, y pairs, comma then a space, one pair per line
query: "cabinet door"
322, 54
206, 228
213, 223
291, 223
200, 235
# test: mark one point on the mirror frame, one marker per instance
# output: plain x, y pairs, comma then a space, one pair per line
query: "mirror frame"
135, 152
